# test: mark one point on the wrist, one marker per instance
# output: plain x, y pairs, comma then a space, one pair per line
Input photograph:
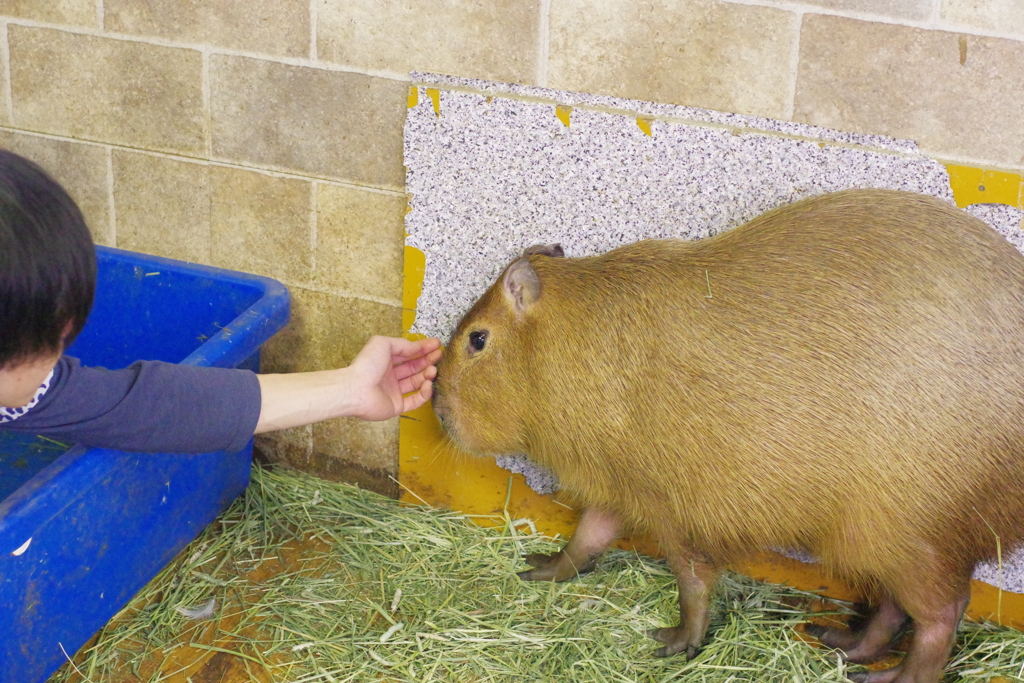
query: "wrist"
342, 398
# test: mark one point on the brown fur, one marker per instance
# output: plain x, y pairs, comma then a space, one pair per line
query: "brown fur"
844, 375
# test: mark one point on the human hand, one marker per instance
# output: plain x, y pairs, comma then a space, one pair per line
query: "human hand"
388, 368
371, 388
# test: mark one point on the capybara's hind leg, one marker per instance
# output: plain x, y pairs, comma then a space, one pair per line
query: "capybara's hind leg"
696, 578
870, 642
935, 623
594, 533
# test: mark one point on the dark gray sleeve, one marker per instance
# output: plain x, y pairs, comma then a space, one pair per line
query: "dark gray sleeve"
149, 407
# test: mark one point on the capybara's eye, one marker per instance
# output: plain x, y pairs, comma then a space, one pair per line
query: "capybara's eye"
477, 340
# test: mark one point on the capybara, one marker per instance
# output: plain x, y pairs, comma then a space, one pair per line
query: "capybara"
842, 376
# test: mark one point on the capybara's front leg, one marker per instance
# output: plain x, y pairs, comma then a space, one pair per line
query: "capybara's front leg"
696, 577
595, 531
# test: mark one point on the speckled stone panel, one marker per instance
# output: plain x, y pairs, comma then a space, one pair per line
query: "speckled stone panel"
957, 95
359, 242
80, 168
658, 110
278, 27
492, 176
107, 90
162, 206
496, 39
261, 223
331, 124
694, 52
74, 12
1000, 16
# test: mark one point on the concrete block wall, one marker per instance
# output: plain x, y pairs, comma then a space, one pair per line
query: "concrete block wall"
266, 135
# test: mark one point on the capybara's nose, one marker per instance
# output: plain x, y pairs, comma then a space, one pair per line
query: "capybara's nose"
440, 408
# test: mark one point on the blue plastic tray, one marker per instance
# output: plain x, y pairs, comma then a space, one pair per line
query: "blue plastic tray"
99, 524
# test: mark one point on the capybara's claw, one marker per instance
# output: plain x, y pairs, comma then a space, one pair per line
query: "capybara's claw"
544, 567
539, 560
668, 651
677, 639
834, 638
556, 567
535, 575
878, 676
815, 630
870, 641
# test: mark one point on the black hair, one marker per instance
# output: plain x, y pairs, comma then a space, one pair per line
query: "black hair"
47, 263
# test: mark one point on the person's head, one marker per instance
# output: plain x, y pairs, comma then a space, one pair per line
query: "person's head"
47, 270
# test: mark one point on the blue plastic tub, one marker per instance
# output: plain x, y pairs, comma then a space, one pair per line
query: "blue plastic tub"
82, 530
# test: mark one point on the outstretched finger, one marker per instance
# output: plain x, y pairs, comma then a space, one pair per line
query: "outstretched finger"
414, 365
414, 382
404, 349
414, 401
421, 361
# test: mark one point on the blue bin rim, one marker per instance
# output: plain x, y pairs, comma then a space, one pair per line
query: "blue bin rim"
218, 348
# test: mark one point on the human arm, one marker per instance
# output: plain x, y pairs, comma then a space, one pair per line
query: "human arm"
148, 407
154, 407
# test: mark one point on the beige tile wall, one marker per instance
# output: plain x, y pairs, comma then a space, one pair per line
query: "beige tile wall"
718, 55
266, 135
955, 94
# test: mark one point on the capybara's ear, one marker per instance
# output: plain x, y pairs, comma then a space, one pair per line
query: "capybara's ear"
552, 250
521, 285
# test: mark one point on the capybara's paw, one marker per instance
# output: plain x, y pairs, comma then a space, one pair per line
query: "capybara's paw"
677, 639
557, 567
850, 644
540, 560
834, 638
546, 568
893, 675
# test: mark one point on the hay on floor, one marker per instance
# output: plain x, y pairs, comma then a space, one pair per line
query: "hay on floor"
317, 581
